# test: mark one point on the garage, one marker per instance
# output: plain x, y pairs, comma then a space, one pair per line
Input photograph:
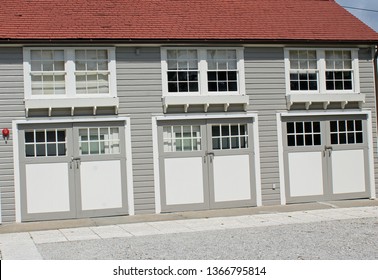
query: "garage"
326, 158
72, 170
206, 164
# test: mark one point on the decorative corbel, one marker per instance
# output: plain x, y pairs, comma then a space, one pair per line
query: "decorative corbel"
343, 104
308, 104
226, 105
205, 107
186, 106
326, 104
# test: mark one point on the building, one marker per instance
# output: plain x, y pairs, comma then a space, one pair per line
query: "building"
124, 107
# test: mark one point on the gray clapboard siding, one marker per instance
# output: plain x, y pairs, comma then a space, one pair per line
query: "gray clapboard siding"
140, 91
366, 71
265, 85
11, 108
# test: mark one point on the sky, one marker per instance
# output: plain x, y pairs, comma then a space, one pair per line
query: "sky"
370, 18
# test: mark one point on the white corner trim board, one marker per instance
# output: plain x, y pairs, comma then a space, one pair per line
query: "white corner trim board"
281, 165
156, 165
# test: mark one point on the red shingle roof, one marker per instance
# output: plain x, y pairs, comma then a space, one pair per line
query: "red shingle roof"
264, 20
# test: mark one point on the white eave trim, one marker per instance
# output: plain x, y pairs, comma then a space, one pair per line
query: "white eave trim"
205, 101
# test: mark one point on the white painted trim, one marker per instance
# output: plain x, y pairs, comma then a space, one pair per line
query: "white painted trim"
72, 120
256, 143
155, 146
323, 113
371, 155
281, 165
206, 116
16, 164
129, 167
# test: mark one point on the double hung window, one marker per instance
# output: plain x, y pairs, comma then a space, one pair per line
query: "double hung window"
69, 72
203, 71
322, 71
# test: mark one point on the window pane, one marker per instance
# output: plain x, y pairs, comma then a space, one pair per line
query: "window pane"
29, 150
29, 137
51, 149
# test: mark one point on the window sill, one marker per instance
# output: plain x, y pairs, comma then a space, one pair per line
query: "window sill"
72, 103
206, 101
325, 98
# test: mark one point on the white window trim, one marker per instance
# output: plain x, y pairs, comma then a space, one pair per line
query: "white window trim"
70, 80
202, 68
320, 54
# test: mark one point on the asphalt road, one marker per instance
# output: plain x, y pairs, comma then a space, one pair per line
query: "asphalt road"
349, 239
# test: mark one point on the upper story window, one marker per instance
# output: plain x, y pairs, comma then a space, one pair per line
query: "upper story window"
322, 70
202, 71
339, 70
303, 70
69, 72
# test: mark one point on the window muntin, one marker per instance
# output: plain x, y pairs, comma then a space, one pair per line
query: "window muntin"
303, 134
202, 71
45, 143
332, 70
182, 138
182, 70
346, 132
229, 136
303, 70
69, 72
339, 71
47, 71
91, 71
99, 141
222, 70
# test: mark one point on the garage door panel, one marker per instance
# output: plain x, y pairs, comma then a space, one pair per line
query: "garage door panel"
348, 171
232, 178
184, 180
305, 174
101, 185
47, 188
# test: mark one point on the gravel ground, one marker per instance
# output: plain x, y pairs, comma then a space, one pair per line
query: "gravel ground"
346, 239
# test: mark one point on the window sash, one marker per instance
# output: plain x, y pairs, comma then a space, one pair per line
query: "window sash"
220, 74
328, 79
100, 79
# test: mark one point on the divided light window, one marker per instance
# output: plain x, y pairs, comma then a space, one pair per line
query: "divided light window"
303, 70
47, 72
182, 70
202, 71
322, 70
339, 70
69, 72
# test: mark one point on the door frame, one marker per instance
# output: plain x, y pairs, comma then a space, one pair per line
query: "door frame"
205, 117
370, 148
50, 121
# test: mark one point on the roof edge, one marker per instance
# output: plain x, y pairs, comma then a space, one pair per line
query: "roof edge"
180, 41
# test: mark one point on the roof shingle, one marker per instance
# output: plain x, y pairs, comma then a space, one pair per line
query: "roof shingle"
313, 20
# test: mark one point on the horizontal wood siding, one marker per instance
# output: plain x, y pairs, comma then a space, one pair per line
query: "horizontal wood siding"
366, 70
11, 108
140, 91
265, 85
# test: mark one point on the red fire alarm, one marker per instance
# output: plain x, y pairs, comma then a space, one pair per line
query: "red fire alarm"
5, 133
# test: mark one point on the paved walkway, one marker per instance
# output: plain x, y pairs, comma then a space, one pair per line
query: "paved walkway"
22, 245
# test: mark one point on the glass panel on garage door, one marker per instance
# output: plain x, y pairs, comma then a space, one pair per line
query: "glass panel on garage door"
325, 158
72, 170
206, 164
